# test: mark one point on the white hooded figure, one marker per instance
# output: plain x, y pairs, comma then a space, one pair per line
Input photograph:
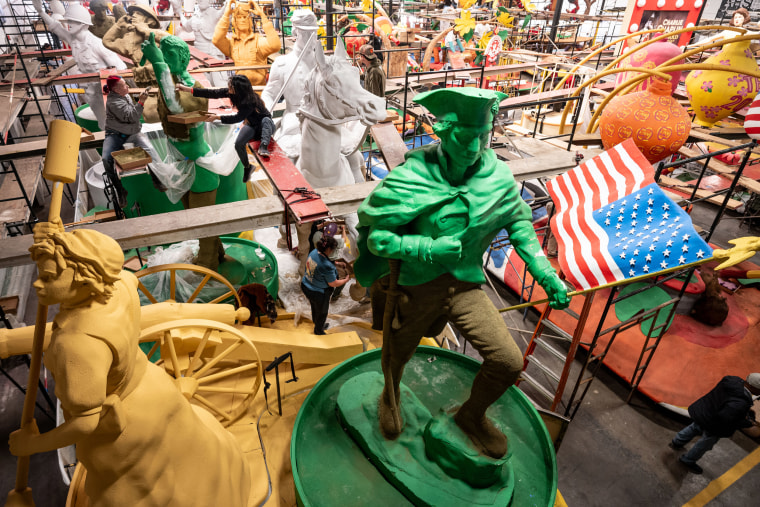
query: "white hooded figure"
87, 50
288, 134
202, 24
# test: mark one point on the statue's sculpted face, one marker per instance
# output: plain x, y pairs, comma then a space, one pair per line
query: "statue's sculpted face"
204, 4
76, 27
174, 59
738, 19
140, 17
242, 20
464, 144
54, 289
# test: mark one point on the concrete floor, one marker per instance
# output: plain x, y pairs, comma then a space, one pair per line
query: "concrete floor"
613, 454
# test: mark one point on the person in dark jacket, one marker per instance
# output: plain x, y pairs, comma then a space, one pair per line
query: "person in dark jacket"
122, 126
725, 409
250, 108
374, 76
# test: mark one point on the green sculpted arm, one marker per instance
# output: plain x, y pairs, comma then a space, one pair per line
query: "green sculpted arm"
523, 237
414, 248
153, 54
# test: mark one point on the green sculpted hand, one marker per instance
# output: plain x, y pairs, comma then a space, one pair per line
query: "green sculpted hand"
556, 290
151, 52
446, 250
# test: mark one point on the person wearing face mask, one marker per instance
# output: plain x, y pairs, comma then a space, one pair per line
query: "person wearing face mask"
320, 280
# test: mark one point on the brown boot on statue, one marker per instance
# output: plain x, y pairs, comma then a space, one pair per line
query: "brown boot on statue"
391, 423
486, 437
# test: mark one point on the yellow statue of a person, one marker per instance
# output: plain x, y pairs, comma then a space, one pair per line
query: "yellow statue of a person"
140, 440
246, 46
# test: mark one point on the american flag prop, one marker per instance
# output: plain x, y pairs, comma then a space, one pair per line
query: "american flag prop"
752, 120
614, 223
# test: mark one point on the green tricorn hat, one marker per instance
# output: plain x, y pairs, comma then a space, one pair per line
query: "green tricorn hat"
471, 106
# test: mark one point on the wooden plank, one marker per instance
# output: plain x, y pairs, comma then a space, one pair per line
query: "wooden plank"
471, 73
504, 153
306, 207
9, 304
515, 102
49, 53
724, 170
187, 118
205, 58
392, 146
685, 187
203, 222
38, 148
58, 71
15, 210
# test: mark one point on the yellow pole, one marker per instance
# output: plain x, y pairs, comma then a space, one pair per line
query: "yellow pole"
60, 168
743, 249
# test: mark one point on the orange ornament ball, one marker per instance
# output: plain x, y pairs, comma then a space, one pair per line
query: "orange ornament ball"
656, 122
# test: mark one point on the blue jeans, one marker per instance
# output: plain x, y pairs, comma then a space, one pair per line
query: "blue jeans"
703, 445
248, 133
115, 142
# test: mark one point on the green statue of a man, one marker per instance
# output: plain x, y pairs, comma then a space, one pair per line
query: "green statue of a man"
432, 218
170, 61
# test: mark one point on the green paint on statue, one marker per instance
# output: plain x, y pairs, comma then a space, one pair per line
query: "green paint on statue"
405, 462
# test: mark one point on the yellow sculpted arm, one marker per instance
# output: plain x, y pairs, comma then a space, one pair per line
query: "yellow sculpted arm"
81, 373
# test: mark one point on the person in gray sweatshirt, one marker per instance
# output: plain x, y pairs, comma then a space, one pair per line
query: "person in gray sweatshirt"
122, 126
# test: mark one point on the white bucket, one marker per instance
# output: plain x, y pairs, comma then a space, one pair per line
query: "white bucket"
94, 179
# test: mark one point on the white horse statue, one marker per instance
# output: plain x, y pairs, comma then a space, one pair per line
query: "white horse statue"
330, 155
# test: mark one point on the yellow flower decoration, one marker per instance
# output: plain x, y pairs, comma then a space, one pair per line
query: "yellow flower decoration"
367, 5
484, 40
506, 19
464, 24
528, 6
466, 4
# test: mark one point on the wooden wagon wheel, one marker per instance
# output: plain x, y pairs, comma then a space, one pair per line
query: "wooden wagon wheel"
173, 268
214, 365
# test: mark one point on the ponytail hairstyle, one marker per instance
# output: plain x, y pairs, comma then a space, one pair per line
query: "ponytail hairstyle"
110, 83
326, 243
244, 95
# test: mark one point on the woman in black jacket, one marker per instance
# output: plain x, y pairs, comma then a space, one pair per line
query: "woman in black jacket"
258, 123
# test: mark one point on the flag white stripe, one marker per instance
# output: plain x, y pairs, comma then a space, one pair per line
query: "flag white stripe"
600, 236
565, 236
619, 191
638, 173
584, 242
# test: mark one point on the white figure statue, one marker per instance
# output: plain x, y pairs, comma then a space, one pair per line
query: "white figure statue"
202, 24
88, 51
288, 134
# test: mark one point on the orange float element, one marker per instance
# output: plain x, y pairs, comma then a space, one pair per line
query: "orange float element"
658, 124
353, 41
648, 58
713, 94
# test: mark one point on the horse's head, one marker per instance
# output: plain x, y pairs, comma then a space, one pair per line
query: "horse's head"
335, 90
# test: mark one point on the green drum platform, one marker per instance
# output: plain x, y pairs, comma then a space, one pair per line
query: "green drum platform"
330, 469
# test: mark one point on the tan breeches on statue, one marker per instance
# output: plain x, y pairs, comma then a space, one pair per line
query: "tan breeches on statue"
210, 251
425, 313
